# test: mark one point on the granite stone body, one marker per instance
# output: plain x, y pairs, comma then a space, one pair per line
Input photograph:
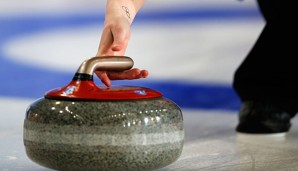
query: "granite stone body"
133, 135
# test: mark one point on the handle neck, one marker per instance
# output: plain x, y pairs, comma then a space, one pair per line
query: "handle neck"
105, 63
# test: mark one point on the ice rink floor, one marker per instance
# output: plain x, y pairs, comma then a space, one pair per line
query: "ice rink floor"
191, 49
210, 144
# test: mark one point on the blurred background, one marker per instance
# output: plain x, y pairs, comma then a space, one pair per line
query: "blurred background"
191, 48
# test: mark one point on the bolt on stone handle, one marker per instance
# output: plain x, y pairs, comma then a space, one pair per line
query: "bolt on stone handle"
105, 63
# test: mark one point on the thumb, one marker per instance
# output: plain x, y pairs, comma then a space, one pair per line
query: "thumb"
120, 41
106, 42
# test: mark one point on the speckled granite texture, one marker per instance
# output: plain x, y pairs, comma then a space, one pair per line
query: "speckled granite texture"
104, 135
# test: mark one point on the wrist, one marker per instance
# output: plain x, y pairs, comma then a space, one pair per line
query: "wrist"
121, 8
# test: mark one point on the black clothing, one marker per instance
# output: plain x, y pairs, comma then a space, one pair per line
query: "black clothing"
270, 71
263, 118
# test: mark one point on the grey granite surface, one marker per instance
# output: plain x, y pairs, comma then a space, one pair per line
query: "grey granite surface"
104, 135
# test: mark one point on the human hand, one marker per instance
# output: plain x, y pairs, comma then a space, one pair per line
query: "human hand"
114, 40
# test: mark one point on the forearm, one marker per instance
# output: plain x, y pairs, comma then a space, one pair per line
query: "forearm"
127, 8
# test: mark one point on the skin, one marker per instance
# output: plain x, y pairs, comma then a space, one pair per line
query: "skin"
115, 37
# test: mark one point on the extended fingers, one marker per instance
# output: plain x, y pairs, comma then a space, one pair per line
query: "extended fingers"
132, 74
